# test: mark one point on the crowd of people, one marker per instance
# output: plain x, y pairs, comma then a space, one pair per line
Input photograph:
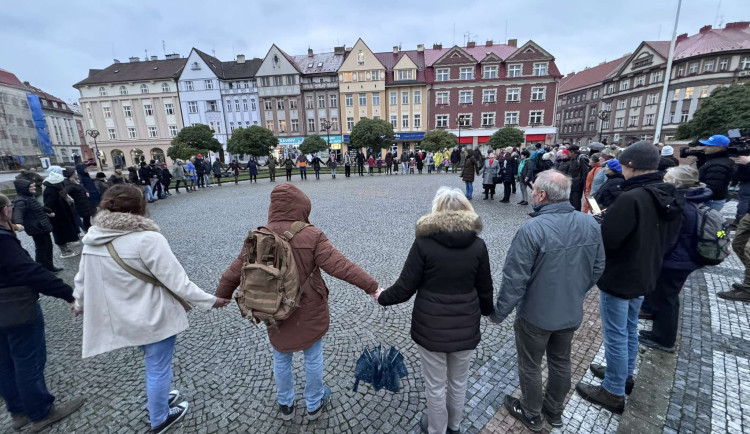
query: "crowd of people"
639, 221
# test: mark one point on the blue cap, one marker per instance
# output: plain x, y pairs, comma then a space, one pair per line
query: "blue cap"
614, 165
716, 140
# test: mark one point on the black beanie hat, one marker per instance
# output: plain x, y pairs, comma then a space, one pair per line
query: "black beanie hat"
640, 156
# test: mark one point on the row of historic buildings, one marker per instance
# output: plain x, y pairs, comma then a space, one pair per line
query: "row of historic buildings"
619, 99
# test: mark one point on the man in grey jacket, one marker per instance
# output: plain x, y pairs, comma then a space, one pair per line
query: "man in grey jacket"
553, 261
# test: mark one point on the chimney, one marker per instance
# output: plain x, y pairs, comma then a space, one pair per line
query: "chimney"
488, 44
705, 29
420, 47
512, 43
134, 59
154, 57
172, 56
309, 52
738, 25
116, 60
395, 49
680, 38
240, 58
437, 46
471, 44
339, 50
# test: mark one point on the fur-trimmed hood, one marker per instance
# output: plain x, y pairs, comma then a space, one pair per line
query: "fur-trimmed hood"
451, 228
106, 226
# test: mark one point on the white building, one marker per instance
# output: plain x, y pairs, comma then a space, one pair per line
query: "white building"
222, 95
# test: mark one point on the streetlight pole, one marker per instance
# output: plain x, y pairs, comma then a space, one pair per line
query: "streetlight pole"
603, 115
94, 134
459, 121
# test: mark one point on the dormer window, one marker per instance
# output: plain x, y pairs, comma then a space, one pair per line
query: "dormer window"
123, 90
144, 88
405, 74
320, 64
102, 91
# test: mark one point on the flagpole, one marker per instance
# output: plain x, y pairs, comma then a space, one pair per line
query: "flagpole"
667, 76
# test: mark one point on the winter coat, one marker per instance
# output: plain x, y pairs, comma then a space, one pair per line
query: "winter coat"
389, 159
27, 211
178, 172
80, 199
271, 163
252, 167
404, 157
638, 229
332, 163
200, 169
360, 159
289, 163
438, 157
120, 310
190, 170
667, 161
455, 156
577, 169
64, 226
217, 168
490, 170
716, 174
145, 173
312, 252
610, 190
508, 169
94, 195
115, 179
420, 161
101, 185
525, 171
34, 178
133, 176
448, 268
595, 168
478, 156
316, 161
599, 179
347, 159
469, 169
562, 165
557, 241
682, 254
207, 166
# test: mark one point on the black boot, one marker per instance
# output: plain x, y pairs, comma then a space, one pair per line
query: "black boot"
599, 395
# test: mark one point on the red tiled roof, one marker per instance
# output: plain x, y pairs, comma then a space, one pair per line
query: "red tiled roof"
9, 79
735, 36
661, 47
479, 52
590, 76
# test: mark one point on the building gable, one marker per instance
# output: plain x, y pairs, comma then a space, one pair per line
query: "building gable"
530, 51
455, 56
405, 63
644, 57
491, 58
361, 58
276, 62
197, 67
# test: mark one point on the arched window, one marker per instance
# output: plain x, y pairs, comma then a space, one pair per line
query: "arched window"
102, 91
118, 158
136, 155
165, 87
158, 155
123, 90
144, 88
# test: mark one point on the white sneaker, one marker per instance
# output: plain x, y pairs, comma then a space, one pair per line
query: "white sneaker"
69, 254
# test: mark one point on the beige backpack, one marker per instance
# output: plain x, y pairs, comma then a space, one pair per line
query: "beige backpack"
270, 288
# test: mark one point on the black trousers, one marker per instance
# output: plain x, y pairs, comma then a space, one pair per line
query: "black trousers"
271, 173
507, 188
665, 305
347, 171
489, 189
86, 223
361, 169
575, 199
43, 244
288, 174
201, 181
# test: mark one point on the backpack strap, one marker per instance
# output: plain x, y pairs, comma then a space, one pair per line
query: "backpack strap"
294, 230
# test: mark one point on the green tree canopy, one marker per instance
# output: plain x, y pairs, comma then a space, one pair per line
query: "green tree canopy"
313, 144
200, 137
374, 133
255, 140
726, 108
504, 137
181, 151
438, 140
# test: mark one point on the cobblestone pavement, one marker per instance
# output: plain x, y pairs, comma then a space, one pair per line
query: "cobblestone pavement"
222, 363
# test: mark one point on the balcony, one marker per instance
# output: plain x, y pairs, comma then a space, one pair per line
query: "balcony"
321, 86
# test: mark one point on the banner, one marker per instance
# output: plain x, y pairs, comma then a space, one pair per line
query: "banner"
40, 124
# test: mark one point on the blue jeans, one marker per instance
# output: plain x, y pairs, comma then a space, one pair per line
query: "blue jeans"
333, 172
620, 331
282, 372
744, 200
149, 194
716, 204
469, 189
158, 358
23, 355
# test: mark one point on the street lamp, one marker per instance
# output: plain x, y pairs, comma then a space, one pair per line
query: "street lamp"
460, 122
94, 134
603, 115
326, 125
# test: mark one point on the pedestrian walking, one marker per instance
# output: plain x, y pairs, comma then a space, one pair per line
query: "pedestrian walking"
302, 162
178, 174
165, 178
360, 159
548, 310
252, 169
525, 176
217, 169
490, 170
718, 170
347, 165
448, 268
35, 218
470, 168
304, 330
637, 230
316, 162
271, 168
23, 350
370, 164
120, 283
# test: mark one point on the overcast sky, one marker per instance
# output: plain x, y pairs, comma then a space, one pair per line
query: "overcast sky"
53, 43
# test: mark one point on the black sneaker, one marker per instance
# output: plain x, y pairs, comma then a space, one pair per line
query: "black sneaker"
176, 413
287, 412
735, 295
514, 408
598, 371
552, 418
648, 342
313, 415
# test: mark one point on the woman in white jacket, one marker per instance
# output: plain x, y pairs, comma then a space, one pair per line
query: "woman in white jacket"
134, 292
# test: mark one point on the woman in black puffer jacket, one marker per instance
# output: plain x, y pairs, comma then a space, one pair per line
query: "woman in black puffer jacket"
448, 268
34, 217
80, 197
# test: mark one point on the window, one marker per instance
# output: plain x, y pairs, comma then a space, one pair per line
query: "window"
265, 82
280, 104
88, 112
624, 85
293, 104
335, 124
172, 131
417, 122
152, 133
231, 126
269, 125
621, 104
640, 80
441, 121
540, 68
311, 125
253, 107
465, 119
277, 80
209, 84
442, 98
684, 116
595, 94
417, 97
708, 66
335, 101
405, 97
290, 80
443, 74
148, 110
515, 70
465, 97
466, 73
592, 126
619, 122
349, 124
405, 122
123, 91
144, 88
677, 93
267, 105
633, 121
489, 96
229, 105
107, 112
126, 111
704, 91
321, 101
723, 64
360, 58
376, 99
489, 72
405, 74
648, 119
112, 134
237, 105
362, 99
375, 75
244, 104
131, 133
488, 119
102, 91
536, 117
349, 99
636, 101
513, 94
681, 70
169, 108
394, 121
538, 93
511, 118
295, 125
188, 85
192, 107
211, 106
282, 125
605, 124
611, 88
652, 98
393, 98
165, 87
688, 93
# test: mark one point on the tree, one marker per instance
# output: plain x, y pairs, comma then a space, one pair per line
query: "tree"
256, 141
726, 108
438, 140
193, 140
313, 144
504, 137
179, 150
373, 133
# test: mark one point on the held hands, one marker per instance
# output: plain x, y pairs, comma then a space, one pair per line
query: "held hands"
221, 302
376, 294
76, 312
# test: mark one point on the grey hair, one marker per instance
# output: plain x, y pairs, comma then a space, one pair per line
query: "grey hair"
683, 176
555, 184
450, 199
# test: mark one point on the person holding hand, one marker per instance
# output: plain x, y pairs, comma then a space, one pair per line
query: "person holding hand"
133, 291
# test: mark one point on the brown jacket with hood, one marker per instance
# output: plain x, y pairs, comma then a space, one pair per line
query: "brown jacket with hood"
312, 251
